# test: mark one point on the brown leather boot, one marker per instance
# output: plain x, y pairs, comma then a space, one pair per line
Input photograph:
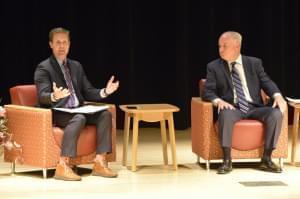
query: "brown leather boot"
63, 172
99, 170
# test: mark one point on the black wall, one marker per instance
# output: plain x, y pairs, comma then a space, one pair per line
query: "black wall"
157, 49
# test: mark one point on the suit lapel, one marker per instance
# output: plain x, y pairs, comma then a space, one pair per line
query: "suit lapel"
247, 71
225, 70
60, 75
56, 67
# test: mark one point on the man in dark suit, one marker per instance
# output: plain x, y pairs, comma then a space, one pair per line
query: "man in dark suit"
61, 82
233, 85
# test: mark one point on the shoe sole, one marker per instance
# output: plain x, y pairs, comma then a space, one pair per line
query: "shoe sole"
268, 170
225, 172
66, 179
105, 176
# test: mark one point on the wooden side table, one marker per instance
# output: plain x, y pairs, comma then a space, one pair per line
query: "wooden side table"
295, 130
149, 113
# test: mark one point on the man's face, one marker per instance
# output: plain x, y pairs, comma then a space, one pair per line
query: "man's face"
60, 45
229, 48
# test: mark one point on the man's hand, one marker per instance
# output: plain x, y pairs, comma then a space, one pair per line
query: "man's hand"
224, 105
59, 93
280, 103
111, 86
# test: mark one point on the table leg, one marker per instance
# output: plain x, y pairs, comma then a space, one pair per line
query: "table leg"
172, 139
126, 138
135, 135
164, 141
295, 135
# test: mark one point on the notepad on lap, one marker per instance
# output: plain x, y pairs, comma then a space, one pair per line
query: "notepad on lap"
87, 109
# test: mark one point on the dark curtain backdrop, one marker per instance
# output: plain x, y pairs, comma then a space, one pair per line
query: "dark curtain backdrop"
157, 49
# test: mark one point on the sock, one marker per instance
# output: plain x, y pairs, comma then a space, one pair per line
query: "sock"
267, 154
226, 153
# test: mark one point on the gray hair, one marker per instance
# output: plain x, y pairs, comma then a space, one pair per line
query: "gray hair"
58, 30
233, 34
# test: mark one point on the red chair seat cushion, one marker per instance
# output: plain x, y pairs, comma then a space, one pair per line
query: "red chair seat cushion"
86, 143
247, 135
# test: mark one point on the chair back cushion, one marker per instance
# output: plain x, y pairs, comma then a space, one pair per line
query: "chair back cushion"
201, 86
25, 95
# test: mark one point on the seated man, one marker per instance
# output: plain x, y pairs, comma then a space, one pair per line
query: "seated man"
234, 84
61, 82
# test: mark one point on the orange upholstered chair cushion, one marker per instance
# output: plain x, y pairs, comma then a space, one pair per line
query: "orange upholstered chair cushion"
41, 142
248, 135
87, 136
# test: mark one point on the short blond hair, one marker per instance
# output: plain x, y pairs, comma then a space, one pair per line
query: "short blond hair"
58, 30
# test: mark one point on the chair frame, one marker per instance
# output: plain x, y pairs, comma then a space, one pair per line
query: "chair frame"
205, 139
32, 128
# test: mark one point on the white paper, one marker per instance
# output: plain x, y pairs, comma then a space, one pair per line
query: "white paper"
87, 109
293, 100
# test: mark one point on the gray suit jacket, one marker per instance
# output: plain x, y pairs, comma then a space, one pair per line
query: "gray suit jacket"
49, 71
219, 84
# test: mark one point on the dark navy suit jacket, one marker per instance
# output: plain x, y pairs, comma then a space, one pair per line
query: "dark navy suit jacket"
219, 83
49, 71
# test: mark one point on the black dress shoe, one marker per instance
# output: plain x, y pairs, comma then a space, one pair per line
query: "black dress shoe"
226, 167
268, 165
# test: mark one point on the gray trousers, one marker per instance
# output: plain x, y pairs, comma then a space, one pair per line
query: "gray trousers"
271, 117
74, 123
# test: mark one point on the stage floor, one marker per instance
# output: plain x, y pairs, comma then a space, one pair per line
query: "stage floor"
153, 180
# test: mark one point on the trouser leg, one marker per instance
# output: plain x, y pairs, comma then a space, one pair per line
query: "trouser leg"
226, 153
103, 122
227, 119
272, 119
72, 124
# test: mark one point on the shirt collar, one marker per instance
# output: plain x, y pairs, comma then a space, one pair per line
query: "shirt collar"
238, 60
60, 62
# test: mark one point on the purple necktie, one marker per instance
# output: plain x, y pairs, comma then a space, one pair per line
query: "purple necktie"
71, 101
241, 98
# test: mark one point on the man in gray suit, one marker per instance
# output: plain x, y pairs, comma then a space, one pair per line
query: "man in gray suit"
233, 85
61, 82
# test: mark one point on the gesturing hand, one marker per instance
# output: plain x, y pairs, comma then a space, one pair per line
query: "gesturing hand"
60, 92
111, 86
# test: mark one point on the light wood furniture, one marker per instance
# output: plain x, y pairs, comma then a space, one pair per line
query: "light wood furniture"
295, 130
149, 113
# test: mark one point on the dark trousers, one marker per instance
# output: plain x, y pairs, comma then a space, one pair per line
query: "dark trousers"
271, 117
74, 123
